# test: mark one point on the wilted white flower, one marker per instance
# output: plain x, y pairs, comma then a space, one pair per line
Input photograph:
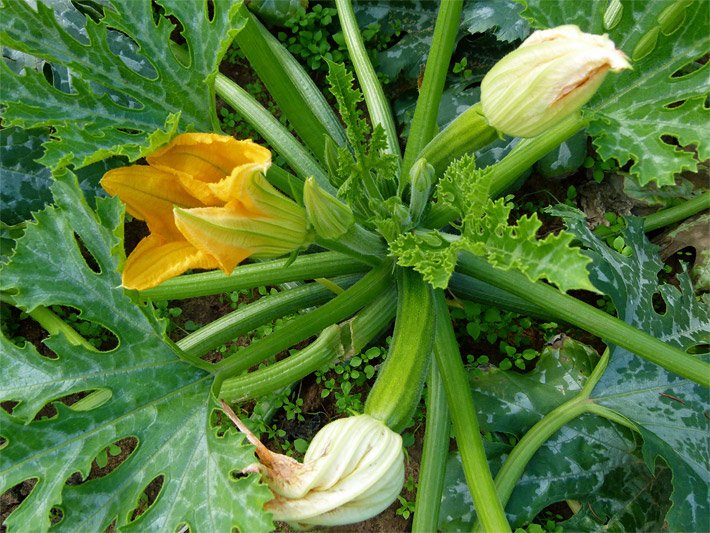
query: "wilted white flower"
352, 471
552, 74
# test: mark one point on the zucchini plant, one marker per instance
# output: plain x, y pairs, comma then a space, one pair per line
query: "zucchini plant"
361, 234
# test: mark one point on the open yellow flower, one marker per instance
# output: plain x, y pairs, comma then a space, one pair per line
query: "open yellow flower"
207, 205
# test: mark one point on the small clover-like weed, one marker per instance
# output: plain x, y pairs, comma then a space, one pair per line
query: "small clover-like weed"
599, 168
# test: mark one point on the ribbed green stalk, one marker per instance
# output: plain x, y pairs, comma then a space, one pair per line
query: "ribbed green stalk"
309, 266
272, 130
290, 86
591, 319
466, 133
286, 182
666, 217
304, 326
359, 243
435, 452
55, 325
395, 395
253, 315
424, 126
463, 416
377, 105
334, 342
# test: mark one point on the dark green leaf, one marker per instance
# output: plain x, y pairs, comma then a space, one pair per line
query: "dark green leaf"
128, 91
637, 113
156, 398
501, 16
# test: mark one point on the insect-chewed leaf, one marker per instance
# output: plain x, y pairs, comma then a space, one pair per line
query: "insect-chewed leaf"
117, 87
157, 399
670, 412
636, 113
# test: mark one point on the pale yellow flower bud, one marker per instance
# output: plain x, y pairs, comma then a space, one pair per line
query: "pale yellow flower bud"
352, 471
552, 74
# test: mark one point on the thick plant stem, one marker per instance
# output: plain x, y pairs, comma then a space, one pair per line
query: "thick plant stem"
666, 217
396, 393
290, 86
253, 315
423, 126
591, 319
304, 326
310, 266
55, 325
377, 105
435, 452
463, 416
336, 341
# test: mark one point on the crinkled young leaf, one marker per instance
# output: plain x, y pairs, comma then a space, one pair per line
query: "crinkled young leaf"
671, 412
634, 110
575, 463
128, 90
156, 398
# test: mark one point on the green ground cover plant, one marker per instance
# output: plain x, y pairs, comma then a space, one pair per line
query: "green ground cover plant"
368, 288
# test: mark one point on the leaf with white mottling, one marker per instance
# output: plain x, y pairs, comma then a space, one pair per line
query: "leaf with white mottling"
670, 412
127, 90
155, 398
634, 110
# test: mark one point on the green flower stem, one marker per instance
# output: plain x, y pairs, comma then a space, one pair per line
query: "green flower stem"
310, 266
286, 182
424, 126
53, 324
591, 319
507, 170
359, 243
335, 341
666, 217
253, 315
396, 393
288, 83
466, 133
304, 326
435, 452
463, 416
272, 130
377, 104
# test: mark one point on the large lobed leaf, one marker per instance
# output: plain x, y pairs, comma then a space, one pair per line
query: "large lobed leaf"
124, 90
159, 400
670, 412
590, 459
634, 111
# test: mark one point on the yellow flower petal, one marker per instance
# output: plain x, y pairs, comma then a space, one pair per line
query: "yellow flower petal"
154, 260
207, 157
149, 194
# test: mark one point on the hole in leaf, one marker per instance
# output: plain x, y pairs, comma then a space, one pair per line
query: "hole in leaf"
3, 442
8, 406
112, 456
147, 497
236, 474
48, 73
183, 528
14, 496
659, 304
699, 349
96, 334
88, 8
90, 260
689, 68
19, 328
56, 515
46, 413
129, 131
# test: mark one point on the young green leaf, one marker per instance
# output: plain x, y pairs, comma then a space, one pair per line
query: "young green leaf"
156, 398
637, 114
128, 92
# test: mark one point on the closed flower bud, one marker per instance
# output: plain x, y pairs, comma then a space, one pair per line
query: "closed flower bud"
330, 217
552, 74
352, 471
421, 177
